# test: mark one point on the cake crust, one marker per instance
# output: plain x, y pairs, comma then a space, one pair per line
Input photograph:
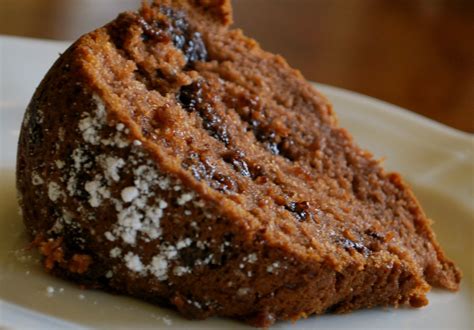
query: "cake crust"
168, 157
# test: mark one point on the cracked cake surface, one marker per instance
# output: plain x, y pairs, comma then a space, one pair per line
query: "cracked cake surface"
168, 157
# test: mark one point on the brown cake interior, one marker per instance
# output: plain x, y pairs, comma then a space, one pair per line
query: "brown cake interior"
249, 134
248, 126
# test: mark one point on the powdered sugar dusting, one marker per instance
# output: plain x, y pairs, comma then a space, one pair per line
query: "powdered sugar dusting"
137, 199
252, 258
129, 194
183, 243
90, 125
65, 219
59, 164
144, 211
111, 166
120, 127
97, 191
133, 262
273, 267
180, 270
160, 264
36, 179
115, 252
54, 191
50, 291
109, 236
184, 198
159, 267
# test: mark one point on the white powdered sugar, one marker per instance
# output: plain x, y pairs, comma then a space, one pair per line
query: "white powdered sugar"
90, 124
81, 162
109, 236
111, 166
162, 204
97, 191
160, 264
36, 180
65, 219
120, 127
129, 194
252, 258
184, 198
50, 291
164, 183
159, 267
140, 216
79, 158
271, 268
183, 243
54, 191
195, 303
115, 252
129, 222
59, 164
133, 262
180, 270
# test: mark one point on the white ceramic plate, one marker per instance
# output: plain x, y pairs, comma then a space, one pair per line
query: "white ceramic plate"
436, 160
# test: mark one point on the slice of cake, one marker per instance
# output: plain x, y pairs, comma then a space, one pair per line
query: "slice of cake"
168, 157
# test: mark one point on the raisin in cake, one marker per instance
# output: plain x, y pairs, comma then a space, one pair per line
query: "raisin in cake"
168, 157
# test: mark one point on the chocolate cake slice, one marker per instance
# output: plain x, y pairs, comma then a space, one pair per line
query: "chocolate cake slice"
168, 157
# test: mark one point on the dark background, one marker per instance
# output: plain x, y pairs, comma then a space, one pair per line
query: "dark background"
418, 54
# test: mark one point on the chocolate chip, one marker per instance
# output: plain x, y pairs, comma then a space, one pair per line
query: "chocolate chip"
203, 170
213, 123
236, 159
190, 96
348, 244
191, 99
188, 41
374, 234
301, 210
195, 49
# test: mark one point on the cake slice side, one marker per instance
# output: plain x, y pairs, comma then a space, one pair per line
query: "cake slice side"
301, 128
111, 218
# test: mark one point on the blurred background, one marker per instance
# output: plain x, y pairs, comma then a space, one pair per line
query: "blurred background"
418, 54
